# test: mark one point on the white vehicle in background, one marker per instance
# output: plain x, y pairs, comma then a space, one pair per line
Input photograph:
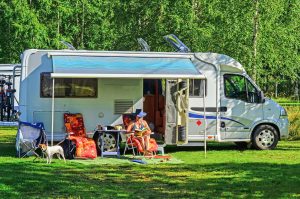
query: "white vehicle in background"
189, 97
9, 92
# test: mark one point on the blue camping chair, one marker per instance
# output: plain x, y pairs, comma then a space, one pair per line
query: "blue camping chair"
28, 138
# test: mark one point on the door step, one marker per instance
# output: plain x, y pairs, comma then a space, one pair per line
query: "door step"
161, 150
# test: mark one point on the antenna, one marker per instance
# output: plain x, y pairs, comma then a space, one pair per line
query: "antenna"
70, 46
144, 45
176, 43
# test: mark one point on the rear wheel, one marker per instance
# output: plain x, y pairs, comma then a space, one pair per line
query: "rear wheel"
265, 137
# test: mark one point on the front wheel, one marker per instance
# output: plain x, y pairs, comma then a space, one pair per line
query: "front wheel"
265, 137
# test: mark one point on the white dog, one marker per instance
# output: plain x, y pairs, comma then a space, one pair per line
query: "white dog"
49, 151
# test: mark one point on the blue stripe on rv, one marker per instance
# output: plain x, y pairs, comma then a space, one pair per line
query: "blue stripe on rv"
210, 117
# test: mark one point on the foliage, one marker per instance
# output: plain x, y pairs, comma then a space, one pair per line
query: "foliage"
226, 172
294, 119
262, 35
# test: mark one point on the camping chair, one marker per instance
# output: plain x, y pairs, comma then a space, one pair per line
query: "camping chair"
28, 138
134, 142
85, 147
130, 144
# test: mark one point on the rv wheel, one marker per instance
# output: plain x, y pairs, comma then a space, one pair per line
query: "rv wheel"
265, 137
109, 142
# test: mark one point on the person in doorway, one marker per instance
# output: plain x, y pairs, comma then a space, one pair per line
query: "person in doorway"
141, 129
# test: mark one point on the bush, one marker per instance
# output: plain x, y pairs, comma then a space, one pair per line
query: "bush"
294, 119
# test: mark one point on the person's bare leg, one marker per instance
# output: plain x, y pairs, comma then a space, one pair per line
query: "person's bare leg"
147, 142
143, 143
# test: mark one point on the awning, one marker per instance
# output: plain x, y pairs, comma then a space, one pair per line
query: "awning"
123, 67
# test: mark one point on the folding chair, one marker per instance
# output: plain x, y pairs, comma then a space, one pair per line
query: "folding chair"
28, 138
131, 144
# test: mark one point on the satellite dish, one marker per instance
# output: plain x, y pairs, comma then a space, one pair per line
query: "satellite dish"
70, 46
176, 43
144, 45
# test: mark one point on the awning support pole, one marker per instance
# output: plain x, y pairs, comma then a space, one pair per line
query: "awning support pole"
52, 111
204, 114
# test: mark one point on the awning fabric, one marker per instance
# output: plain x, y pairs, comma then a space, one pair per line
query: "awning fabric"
123, 67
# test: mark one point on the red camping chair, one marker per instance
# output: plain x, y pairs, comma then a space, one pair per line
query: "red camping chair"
85, 147
134, 142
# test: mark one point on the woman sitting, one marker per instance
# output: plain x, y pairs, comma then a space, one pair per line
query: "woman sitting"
141, 129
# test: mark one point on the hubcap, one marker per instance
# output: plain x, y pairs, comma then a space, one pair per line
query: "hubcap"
109, 142
265, 138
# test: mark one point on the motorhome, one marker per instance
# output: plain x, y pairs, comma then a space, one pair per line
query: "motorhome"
188, 97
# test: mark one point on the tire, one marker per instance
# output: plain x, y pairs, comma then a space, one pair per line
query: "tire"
110, 142
265, 137
242, 145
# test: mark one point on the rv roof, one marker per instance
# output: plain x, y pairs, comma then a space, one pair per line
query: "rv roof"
7, 68
224, 62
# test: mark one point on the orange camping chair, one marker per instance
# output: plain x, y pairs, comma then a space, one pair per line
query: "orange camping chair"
85, 147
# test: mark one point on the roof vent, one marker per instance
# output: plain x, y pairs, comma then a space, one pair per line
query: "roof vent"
176, 43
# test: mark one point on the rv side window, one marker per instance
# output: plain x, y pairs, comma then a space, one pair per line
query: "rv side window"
68, 87
253, 94
196, 88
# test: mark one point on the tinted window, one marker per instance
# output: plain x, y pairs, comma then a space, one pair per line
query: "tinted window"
68, 87
253, 96
238, 87
235, 87
196, 87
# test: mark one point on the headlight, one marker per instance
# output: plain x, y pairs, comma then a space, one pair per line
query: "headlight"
283, 112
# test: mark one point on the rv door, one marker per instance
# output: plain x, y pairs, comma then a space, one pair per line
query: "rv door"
177, 97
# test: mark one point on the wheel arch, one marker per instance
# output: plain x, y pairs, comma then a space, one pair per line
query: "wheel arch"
266, 123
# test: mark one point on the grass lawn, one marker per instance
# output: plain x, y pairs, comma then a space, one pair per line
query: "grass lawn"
227, 172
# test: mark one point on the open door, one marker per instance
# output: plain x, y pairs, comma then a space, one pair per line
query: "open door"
177, 97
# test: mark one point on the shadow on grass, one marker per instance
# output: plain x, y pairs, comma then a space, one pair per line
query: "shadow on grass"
19, 179
25, 178
7, 150
214, 146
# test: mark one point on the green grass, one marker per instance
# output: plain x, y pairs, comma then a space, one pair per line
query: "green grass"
285, 100
225, 173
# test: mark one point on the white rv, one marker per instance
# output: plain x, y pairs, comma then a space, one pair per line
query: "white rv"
189, 97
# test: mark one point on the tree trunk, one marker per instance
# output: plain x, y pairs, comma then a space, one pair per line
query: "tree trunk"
58, 24
297, 90
276, 89
255, 35
82, 26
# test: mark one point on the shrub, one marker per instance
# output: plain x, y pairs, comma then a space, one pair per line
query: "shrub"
294, 119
